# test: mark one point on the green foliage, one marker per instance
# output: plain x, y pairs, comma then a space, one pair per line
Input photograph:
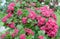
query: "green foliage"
41, 32
1, 23
25, 12
2, 15
34, 0
30, 37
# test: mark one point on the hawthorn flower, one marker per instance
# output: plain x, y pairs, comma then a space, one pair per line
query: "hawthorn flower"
4, 35
29, 31
4, 19
22, 36
50, 28
19, 12
11, 6
45, 11
11, 25
15, 32
9, 15
32, 15
24, 20
41, 37
54, 16
41, 21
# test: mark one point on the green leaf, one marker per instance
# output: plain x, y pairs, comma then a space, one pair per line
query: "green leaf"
1, 23
9, 20
29, 37
29, 20
58, 20
25, 12
47, 1
41, 32
2, 14
37, 28
34, 0
20, 26
16, 37
8, 36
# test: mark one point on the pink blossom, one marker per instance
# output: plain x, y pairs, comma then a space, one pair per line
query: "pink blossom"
43, 8
38, 17
45, 11
12, 4
4, 19
29, 31
41, 37
11, 25
19, 12
3, 36
22, 36
41, 21
32, 15
11, 8
9, 15
24, 20
54, 16
8, 11
36, 8
51, 28
15, 32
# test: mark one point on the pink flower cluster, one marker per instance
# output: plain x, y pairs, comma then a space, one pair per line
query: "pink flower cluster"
10, 9
19, 12
4, 35
50, 28
15, 32
11, 6
46, 11
24, 20
11, 25
41, 37
4, 19
32, 15
22, 36
41, 21
29, 31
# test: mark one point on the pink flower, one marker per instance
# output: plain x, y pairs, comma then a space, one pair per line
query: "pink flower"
3, 36
41, 37
41, 21
15, 32
32, 15
38, 17
4, 19
24, 20
22, 36
19, 12
36, 8
54, 16
45, 11
11, 8
42, 9
12, 4
52, 34
29, 31
9, 15
8, 11
51, 28
11, 25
